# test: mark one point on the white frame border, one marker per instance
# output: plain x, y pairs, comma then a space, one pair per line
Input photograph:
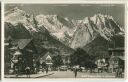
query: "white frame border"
61, 2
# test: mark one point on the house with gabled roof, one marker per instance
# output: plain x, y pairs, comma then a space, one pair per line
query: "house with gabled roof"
27, 51
47, 58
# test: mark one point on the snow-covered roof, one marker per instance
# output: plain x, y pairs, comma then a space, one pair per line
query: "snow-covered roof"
48, 55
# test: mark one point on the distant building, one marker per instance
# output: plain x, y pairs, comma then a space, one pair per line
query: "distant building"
47, 58
101, 64
116, 59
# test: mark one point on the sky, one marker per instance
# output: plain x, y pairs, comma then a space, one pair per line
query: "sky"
74, 11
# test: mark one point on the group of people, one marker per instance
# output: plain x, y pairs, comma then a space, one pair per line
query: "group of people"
27, 71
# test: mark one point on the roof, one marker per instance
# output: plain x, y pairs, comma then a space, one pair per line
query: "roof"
48, 57
48, 54
122, 57
117, 58
116, 49
22, 43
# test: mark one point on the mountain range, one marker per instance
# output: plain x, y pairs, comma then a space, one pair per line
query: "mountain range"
93, 34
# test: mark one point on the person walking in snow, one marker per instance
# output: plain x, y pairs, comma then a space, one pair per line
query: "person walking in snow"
16, 71
46, 70
27, 69
75, 72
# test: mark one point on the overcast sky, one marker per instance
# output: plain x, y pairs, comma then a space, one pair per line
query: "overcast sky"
74, 11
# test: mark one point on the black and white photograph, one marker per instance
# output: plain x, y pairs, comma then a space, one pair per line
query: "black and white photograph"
64, 41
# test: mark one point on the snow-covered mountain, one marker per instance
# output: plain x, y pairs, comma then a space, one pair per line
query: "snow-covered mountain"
92, 27
59, 27
20, 25
16, 16
62, 28
72, 33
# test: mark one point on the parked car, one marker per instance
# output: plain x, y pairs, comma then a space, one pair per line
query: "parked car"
63, 68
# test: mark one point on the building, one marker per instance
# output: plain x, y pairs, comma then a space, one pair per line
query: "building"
28, 49
116, 59
101, 64
21, 54
47, 58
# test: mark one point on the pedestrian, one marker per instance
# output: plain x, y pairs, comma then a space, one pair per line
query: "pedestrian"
35, 70
75, 72
27, 69
46, 70
16, 71
117, 72
120, 72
